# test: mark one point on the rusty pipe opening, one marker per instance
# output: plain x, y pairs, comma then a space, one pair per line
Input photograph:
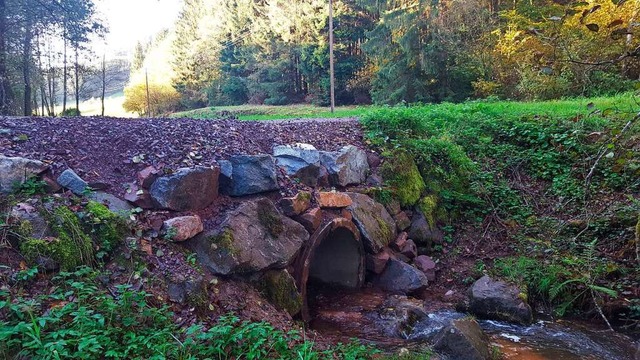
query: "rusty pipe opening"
334, 256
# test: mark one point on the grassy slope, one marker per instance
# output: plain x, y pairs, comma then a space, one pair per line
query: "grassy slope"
265, 112
563, 108
509, 177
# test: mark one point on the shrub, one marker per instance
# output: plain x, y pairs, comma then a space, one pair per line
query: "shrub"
163, 99
71, 112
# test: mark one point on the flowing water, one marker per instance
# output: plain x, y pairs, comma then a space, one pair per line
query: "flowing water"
389, 323
543, 340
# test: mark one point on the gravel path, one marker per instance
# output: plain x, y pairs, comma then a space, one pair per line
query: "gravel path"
112, 150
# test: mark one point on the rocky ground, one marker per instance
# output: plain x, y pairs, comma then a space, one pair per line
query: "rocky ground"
110, 151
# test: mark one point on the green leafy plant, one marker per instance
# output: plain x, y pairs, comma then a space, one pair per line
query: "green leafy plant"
79, 319
30, 187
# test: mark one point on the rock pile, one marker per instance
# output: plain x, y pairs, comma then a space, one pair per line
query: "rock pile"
260, 236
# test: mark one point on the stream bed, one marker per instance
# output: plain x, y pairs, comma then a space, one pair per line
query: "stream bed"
391, 322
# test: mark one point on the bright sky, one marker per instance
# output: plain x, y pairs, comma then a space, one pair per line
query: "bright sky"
130, 21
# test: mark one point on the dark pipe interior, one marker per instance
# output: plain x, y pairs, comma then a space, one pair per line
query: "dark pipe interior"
336, 261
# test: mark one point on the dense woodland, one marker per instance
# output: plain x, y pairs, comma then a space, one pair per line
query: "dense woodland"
276, 52
42, 45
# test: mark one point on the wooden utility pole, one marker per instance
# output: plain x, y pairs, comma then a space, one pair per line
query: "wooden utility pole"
331, 69
146, 77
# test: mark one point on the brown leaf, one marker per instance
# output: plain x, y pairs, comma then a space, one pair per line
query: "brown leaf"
593, 27
145, 246
615, 23
58, 304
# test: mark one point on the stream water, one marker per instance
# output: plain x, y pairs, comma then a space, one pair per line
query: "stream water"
392, 322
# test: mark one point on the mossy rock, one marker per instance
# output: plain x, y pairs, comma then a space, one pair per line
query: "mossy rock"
254, 237
402, 174
279, 287
106, 227
377, 227
224, 241
74, 239
428, 206
61, 250
270, 218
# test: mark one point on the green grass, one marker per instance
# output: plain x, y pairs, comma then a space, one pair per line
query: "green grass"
519, 171
266, 112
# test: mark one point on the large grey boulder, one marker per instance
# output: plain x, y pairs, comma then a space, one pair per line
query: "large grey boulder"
347, 166
374, 222
70, 180
248, 174
463, 339
422, 233
15, 170
186, 189
299, 160
497, 300
401, 278
252, 238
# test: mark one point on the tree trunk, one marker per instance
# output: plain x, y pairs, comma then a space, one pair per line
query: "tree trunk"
42, 82
64, 70
5, 90
77, 79
52, 86
26, 63
104, 81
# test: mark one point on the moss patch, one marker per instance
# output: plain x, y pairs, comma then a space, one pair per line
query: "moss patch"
280, 289
224, 241
402, 174
428, 206
24, 229
66, 225
270, 218
304, 196
61, 250
106, 227
386, 233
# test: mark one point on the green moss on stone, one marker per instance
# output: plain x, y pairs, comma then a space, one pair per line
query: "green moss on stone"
280, 289
61, 250
304, 196
386, 233
106, 227
402, 174
224, 241
25, 229
75, 247
270, 218
428, 205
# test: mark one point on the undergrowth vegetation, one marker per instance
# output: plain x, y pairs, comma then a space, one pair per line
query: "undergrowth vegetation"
77, 318
552, 184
